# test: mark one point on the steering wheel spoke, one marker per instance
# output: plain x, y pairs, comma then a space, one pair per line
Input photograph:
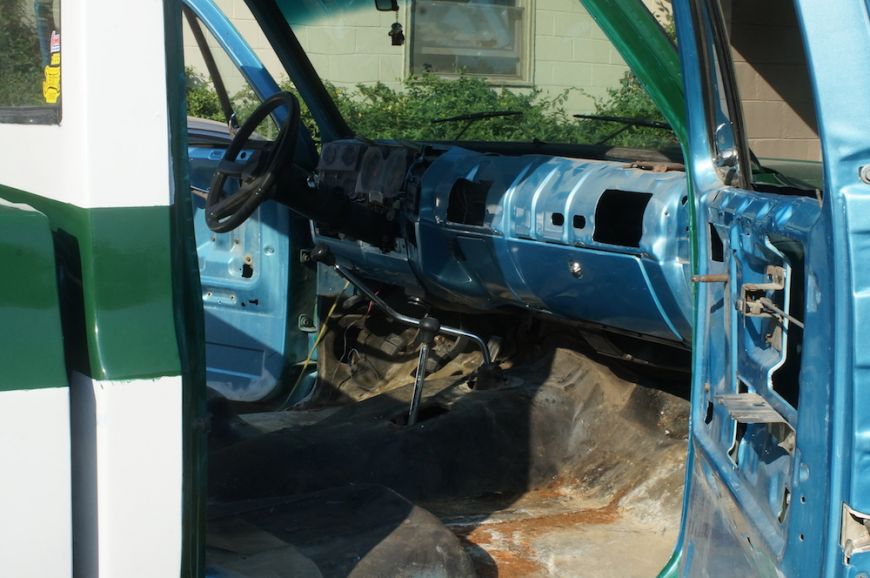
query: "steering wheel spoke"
257, 176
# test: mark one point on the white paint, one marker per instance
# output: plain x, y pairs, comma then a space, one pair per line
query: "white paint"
127, 471
112, 147
35, 508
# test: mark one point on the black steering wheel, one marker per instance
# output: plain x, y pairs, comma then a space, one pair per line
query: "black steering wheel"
257, 176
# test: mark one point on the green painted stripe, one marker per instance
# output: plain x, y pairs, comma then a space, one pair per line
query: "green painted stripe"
115, 286
31, 342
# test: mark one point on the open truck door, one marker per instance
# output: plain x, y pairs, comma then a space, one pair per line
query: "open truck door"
774, 478
257, 297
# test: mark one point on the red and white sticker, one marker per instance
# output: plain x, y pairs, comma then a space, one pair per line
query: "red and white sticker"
55, 42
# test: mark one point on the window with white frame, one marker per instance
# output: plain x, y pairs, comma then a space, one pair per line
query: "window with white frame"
488, 38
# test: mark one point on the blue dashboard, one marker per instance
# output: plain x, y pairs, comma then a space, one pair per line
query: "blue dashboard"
603, 243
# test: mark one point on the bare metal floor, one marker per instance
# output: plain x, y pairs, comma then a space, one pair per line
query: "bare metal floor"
564, 469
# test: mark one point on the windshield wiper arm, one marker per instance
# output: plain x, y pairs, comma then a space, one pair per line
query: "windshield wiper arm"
627, 121
631, 121
473, 117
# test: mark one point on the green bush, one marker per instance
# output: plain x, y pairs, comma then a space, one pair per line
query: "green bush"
381, 112
202, 100
21, 71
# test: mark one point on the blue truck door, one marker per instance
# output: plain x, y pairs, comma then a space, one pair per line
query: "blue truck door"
256, 295
759, 478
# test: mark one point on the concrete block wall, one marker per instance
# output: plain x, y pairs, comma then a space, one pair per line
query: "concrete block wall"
772, 79
568, 50
571, 51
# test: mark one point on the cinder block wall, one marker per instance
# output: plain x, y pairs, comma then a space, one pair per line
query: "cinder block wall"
567, 49
570, 50
772, 79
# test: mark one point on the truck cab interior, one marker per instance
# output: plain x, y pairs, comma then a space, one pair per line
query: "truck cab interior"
457, 356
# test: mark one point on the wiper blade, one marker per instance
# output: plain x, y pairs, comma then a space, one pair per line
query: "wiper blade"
478, 115
626, 120
472, 117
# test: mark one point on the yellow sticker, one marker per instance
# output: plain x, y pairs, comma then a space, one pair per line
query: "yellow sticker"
51, 80
51, 83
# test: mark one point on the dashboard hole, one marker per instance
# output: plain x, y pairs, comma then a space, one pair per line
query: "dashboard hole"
467, 203
619, 217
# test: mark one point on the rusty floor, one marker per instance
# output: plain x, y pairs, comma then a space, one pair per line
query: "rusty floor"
567, 469
561, 531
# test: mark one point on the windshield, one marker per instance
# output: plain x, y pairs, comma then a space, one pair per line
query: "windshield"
478, 70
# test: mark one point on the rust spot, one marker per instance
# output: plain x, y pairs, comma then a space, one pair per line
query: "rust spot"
509, 543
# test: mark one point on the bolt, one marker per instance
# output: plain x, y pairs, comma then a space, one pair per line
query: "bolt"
576, 269
864, 173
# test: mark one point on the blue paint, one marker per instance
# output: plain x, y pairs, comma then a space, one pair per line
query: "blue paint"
769, 502
520, 254
731, 523
251, 339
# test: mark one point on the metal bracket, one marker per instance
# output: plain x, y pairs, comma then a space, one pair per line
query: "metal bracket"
751, 294
854, 532
754, 302
750, 408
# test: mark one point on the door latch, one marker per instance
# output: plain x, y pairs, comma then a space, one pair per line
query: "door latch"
754, 301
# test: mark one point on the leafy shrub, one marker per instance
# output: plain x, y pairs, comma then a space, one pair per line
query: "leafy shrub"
202, 100
21, 63
380, 112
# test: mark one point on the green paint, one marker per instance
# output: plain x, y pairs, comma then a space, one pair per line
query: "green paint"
31, 342
115, 287
645, 47
187, 302
672, 568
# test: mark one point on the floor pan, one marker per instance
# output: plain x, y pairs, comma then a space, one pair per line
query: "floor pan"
563, 469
